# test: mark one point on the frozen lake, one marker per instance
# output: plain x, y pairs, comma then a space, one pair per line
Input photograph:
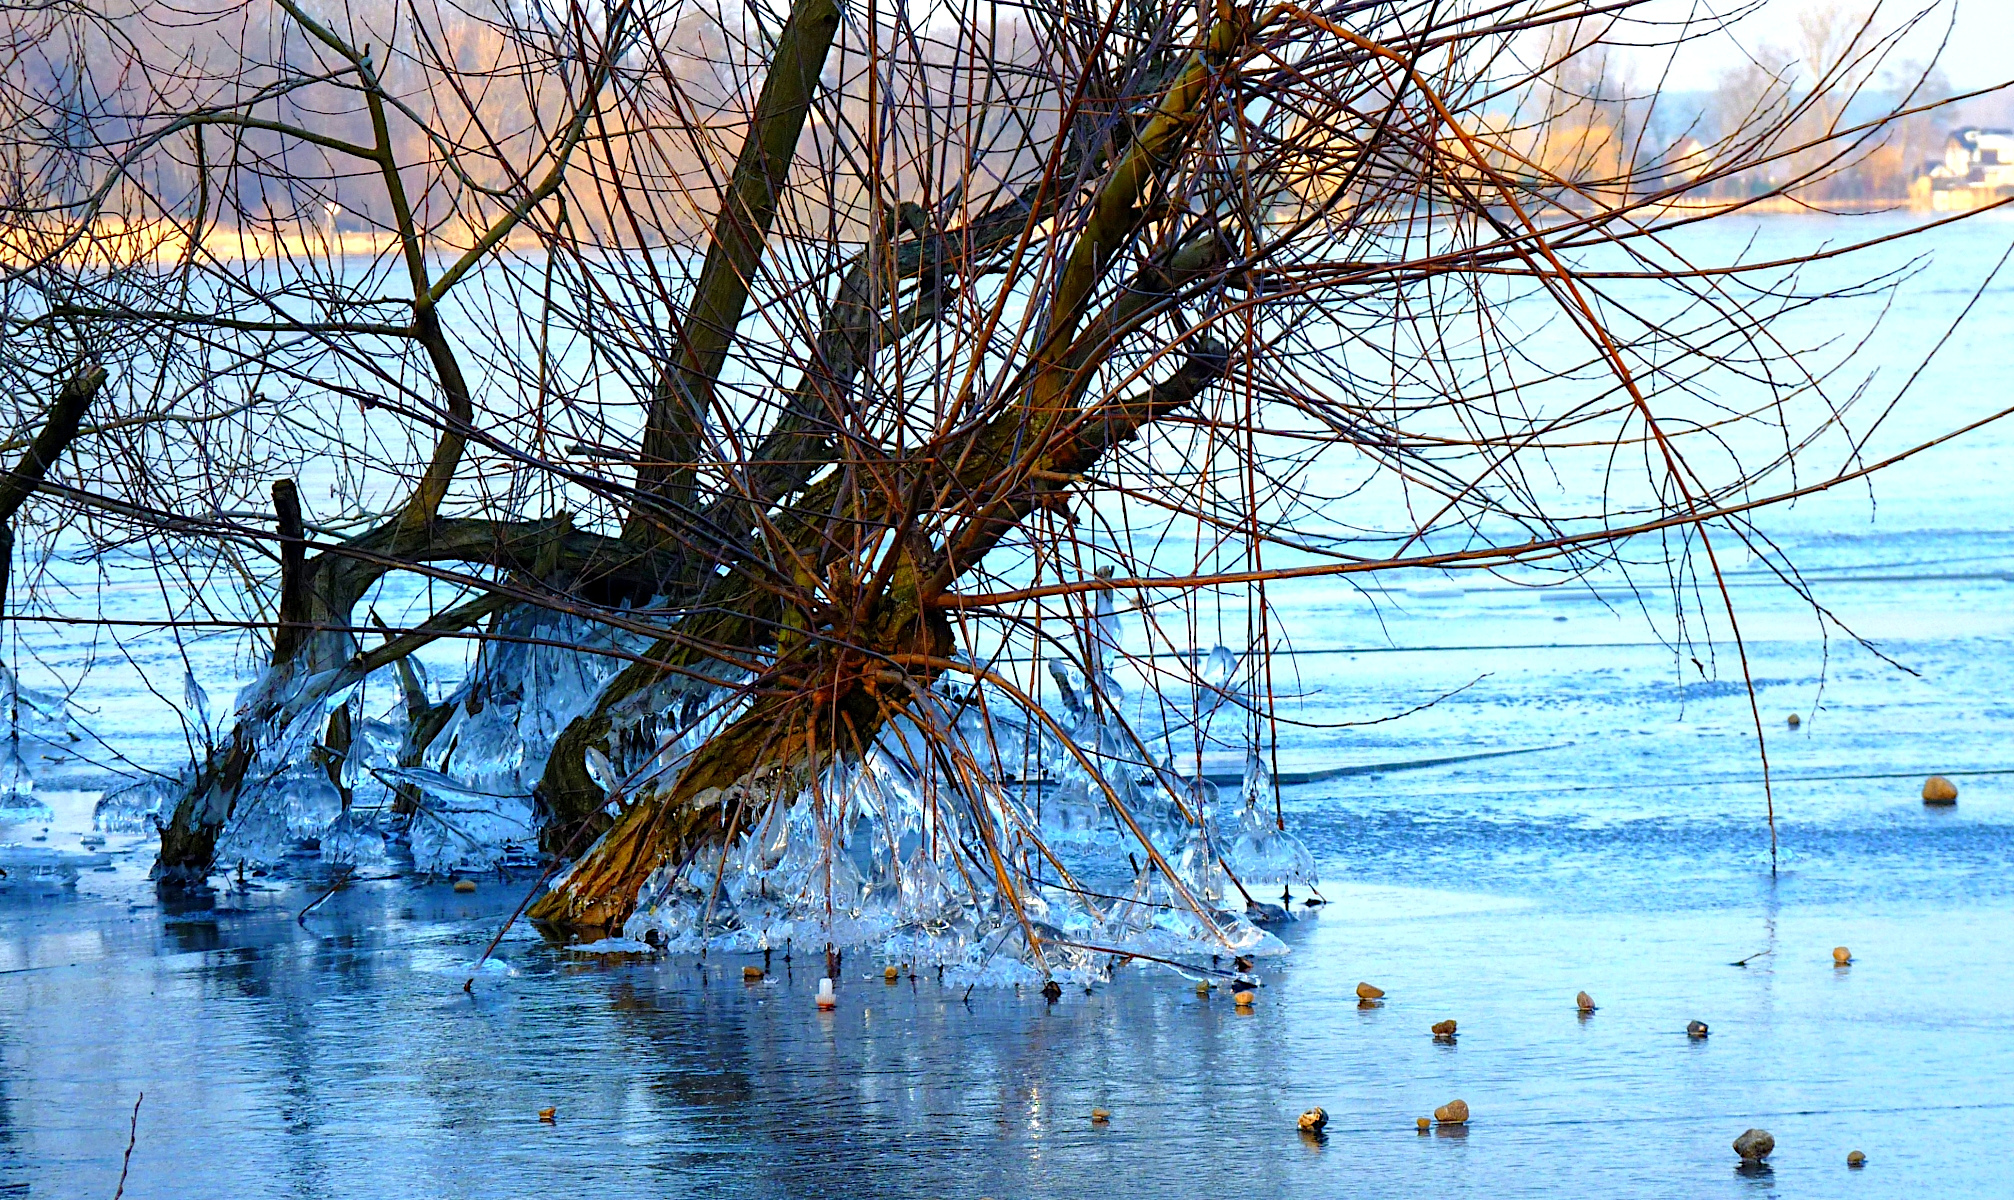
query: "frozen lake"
1627, 855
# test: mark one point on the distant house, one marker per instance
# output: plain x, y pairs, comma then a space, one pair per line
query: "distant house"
1689, 159
1977, 169
1982, 157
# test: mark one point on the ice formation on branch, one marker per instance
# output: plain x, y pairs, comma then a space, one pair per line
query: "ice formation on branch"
972, 836
38, 717
1003, 841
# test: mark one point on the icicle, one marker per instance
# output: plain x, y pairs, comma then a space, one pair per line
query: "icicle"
602, 771
1105, 625
1257, 791
198, 702
1262, 852
1218, 671
135, 807
18, 803
17, 787
1060, 673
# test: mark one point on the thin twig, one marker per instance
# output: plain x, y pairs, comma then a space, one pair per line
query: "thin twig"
132, 1132
468, 985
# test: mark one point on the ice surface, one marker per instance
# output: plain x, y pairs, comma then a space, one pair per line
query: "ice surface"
613, 946
46, 867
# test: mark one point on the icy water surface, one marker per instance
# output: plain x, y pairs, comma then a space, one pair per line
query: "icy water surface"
1626, 854
343, 1058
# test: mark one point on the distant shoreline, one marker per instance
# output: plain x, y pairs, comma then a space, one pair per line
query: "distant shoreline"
166, 242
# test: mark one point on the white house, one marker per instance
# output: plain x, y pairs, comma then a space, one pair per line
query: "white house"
1977, 171
1977, 157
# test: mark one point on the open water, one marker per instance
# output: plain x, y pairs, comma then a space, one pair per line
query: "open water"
1627, 854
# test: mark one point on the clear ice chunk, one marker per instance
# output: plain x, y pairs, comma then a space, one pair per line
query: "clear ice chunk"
34, 713
463, 827
198, 702
18, 802
135, 807
280, 816
1262, 852
1105, 628
1216, 676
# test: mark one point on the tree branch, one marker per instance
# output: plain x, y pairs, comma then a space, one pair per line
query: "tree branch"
684, 393
65, 416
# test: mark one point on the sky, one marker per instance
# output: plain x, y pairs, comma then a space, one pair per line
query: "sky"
1980, 53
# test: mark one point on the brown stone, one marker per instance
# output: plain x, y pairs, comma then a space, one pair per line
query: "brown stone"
1444, 1028
1583, 1002
1101, 1116
1695, 1029
1245, 999
1425, 1124
1755, 1145
1314, 1120
549, 1115
1939, 790
1855, 1158
751, 974
1454, 1112
1795, 720
465, 885
891, 973
1841, 955
1366, 992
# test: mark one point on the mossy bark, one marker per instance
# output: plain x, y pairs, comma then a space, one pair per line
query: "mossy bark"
824, 698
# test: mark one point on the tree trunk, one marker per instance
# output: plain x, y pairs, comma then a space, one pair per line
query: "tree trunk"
66, 415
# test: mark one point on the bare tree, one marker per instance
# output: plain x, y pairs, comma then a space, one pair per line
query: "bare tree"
1848, 118
784, 400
